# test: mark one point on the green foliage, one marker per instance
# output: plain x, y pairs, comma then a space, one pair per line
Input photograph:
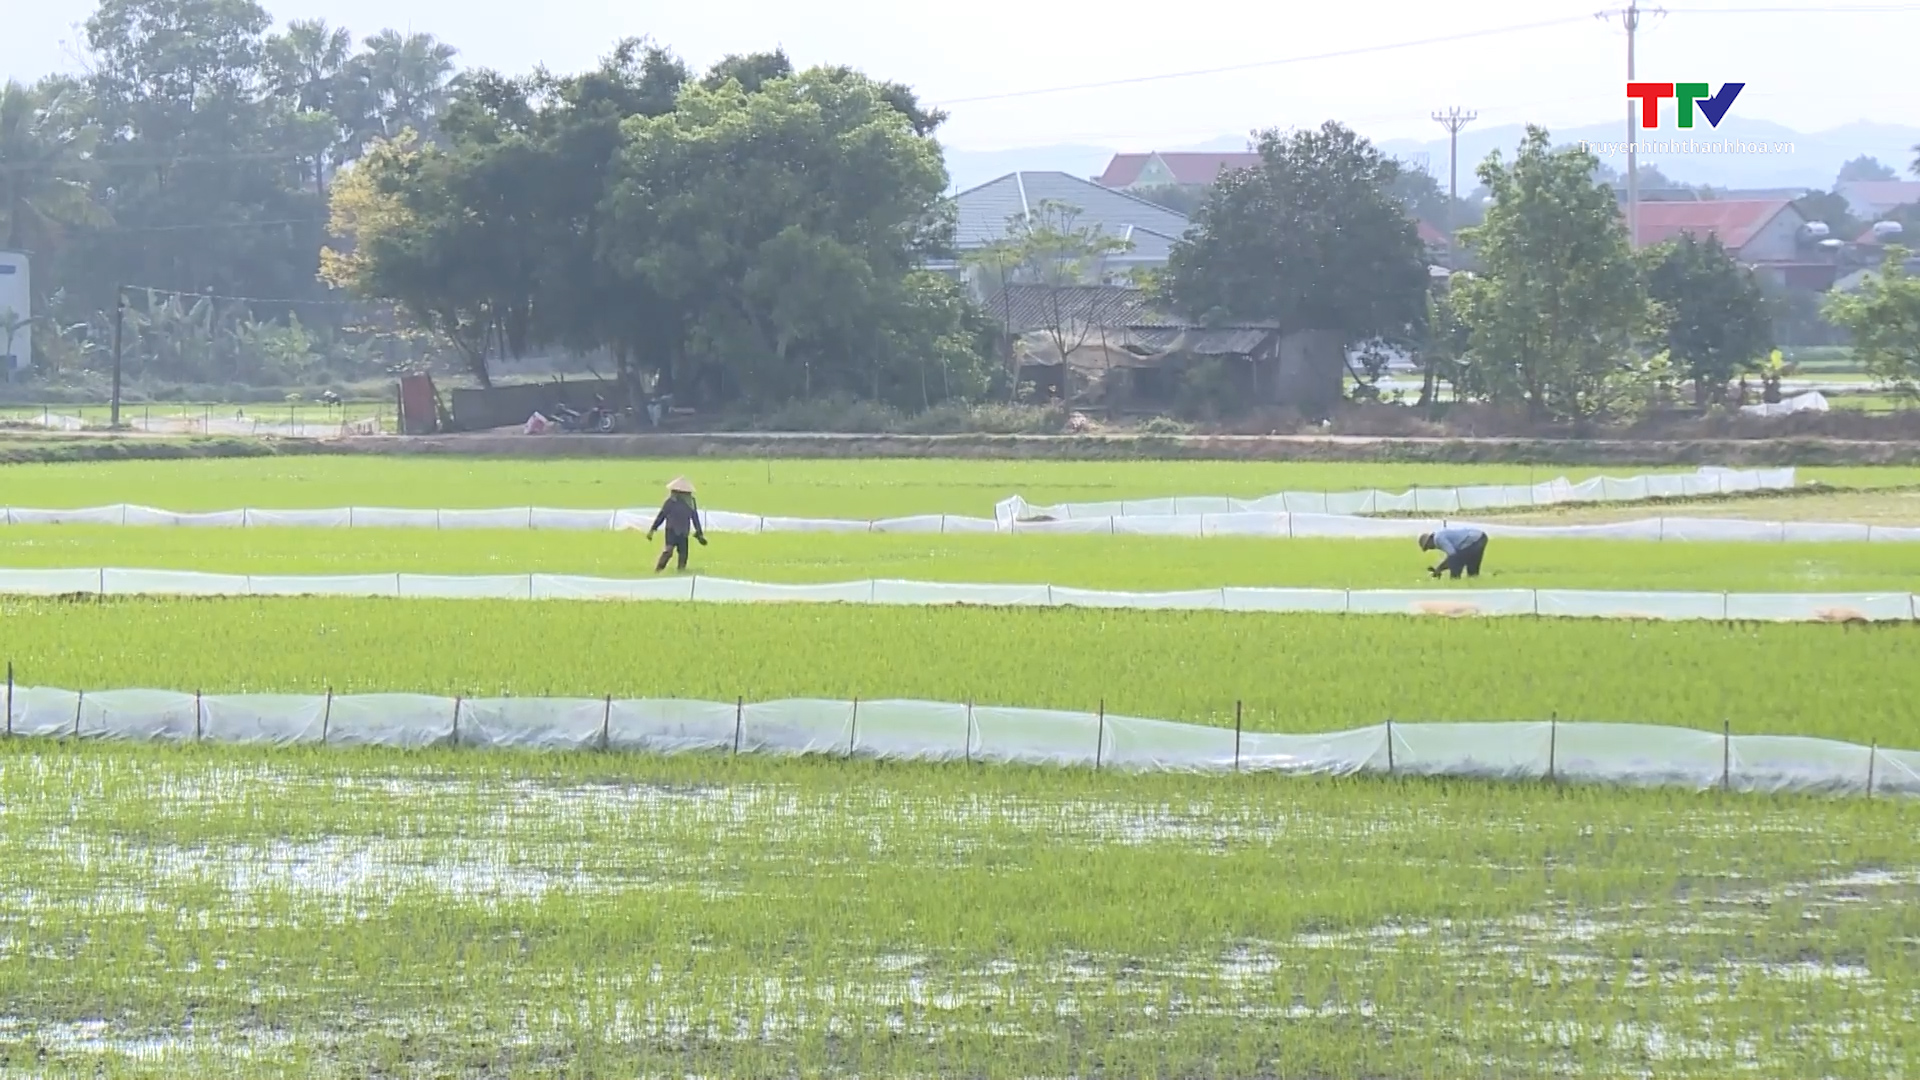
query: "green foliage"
1883, 317
1312, 240
1710, 318
1864, 167
784, 226
1559, 299
1831, 208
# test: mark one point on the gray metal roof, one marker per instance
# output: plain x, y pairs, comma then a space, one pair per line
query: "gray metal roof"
1129, 313
983, 213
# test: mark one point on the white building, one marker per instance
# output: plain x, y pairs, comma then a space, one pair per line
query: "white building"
16, 308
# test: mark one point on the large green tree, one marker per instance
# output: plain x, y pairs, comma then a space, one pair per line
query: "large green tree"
1710, 318
1558, 300
788, 224
1883, 316
1315, 241
45, 144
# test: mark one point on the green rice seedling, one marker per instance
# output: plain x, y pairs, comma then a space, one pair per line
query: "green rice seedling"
1107, 562
1292, 672
252, 913
862, 489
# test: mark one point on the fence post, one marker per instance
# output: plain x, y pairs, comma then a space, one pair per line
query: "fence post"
1389, 746
969, 731
1872, 752
1100, 736
455, 737
1553, 739
79, 702
853, 728
196, 716
739, 714
326, 716
606, 723
1236, 736
9, 699
1726, 755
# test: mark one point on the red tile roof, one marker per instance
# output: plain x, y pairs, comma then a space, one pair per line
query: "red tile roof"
1203, 169
1429, 235
1124, 169
1195, 169
1735, 221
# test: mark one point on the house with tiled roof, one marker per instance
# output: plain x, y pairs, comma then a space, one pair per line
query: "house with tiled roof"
983, 215
1769, 235
1127, 172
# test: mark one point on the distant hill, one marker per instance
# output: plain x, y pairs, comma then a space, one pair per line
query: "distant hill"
1816, 158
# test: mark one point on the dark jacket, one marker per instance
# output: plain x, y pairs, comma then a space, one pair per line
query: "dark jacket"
678, 514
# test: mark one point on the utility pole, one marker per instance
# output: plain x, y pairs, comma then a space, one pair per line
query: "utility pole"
1629, 17
1453, 120
119, 316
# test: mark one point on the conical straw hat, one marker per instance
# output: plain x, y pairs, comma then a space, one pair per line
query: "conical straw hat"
681, 483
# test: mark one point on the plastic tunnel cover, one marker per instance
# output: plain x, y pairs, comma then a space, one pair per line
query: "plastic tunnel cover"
1573, 752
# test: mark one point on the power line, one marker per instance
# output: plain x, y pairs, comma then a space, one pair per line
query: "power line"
185, 293
1859, 9
1258, 64
207, 225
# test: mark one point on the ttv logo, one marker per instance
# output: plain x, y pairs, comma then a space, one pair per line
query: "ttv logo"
1713, 108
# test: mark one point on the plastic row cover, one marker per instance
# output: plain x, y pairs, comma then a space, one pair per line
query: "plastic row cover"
1564, 603
1295, 525
1625, 754
1710, 481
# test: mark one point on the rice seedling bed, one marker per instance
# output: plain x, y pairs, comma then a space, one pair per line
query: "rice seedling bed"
861, 489
202, 911
1293, 672
1111, 562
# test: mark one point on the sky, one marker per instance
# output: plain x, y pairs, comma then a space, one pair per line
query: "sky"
1812, 67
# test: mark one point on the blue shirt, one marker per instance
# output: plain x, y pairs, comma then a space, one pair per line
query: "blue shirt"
1451, 541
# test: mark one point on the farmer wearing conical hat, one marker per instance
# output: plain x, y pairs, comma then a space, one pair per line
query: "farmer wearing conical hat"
680, 515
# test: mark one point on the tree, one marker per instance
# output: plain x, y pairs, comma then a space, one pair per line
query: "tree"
1048, 249
1314, 241
1864, 167
1420, 192
1712, 320
307, 67
788, 225
752, 70
1557, 302
1884, 318
398, 82
45, 141
1832, 209
195, 165
441, 234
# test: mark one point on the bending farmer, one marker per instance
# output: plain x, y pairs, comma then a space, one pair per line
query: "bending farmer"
679, 515
1463, 548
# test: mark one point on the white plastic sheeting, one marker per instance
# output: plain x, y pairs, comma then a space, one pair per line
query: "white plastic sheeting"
1622, 754
1561, 603
1291, 514
1302, 524
1708, 481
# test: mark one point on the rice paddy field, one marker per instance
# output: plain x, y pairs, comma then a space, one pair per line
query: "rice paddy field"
219, 911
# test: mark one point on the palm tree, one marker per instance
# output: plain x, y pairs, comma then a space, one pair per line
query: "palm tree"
402, 81
45, 163
307, 68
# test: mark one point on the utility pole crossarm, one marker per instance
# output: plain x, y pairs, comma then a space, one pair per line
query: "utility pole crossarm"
1453, 120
